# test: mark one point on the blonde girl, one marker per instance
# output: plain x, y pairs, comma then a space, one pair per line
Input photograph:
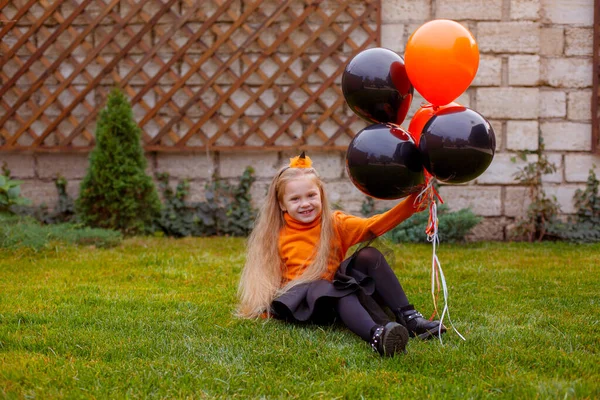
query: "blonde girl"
295, 268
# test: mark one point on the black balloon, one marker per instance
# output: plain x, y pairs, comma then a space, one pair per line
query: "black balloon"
376, 86
384, 162
457, 145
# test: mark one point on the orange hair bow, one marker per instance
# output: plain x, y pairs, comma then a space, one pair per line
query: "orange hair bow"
301, 161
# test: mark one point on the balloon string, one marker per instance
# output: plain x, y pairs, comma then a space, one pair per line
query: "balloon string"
437, 274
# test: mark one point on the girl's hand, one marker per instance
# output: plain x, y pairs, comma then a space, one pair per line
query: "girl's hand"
421, 205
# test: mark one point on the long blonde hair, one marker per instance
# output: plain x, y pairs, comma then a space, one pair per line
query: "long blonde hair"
261, 279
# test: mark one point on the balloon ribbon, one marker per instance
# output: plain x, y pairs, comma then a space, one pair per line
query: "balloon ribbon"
438, 280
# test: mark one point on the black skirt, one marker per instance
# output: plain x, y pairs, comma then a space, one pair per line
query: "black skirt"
316, 301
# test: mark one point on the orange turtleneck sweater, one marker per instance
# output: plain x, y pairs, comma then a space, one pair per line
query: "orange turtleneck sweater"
297, 240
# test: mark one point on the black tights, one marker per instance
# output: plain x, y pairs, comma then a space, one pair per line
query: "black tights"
371, 262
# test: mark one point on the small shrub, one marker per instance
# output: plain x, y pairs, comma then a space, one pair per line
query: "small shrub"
177, 218
543, 211
63, 212
226, 211
65, 208
587, 201
584, 227
10, 192
116, 193
453, 226
236, 201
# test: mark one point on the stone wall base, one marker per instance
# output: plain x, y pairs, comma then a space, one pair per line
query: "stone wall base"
498, 201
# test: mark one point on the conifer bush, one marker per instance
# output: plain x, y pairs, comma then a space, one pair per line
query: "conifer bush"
116, 192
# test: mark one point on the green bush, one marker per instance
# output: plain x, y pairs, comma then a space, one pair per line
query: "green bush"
10, 193
22, 231
63, 212
227, 210
116, 193
587, 201
584, 227
542, 213
65, 208
453, 226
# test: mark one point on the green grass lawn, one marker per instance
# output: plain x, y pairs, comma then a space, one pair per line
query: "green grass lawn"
154, 318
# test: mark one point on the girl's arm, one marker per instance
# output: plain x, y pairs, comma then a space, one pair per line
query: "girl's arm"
355, 229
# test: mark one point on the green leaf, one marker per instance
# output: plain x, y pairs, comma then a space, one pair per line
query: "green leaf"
14, 192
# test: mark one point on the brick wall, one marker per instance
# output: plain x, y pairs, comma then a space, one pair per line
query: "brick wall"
535, 78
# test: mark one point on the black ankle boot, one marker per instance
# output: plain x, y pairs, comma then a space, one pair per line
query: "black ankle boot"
416, 325
389, 339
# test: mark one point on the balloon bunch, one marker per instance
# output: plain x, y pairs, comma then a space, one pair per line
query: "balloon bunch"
445, 140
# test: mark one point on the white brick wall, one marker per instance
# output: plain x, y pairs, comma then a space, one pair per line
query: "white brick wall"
553, 103
567, 72
524, 70
573, 136
40, 192
552, 41
259, 191
485, 201
342, 191
492, 228
577, 166
405, 11
508, 37
232, 165
503, 168
576, 12
508, 103
21, 165
498, 127
522, 135
489, 72
579, 41
524, 9
534, 78
392, 37
579, 105
469, 10
69, 166
185, 166
516, 201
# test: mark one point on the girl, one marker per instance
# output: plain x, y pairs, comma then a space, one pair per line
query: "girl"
294, 269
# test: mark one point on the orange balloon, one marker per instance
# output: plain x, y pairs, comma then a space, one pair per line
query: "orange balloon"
419, 120
422, 116
441, 60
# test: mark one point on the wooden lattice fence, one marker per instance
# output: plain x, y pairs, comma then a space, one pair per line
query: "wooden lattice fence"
212, 74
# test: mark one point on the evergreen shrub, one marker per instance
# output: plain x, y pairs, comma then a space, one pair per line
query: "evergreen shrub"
116, 193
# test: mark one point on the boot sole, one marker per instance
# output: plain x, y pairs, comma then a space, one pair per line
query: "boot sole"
395, 339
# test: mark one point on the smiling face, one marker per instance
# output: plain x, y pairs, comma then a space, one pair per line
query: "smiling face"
302, 199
